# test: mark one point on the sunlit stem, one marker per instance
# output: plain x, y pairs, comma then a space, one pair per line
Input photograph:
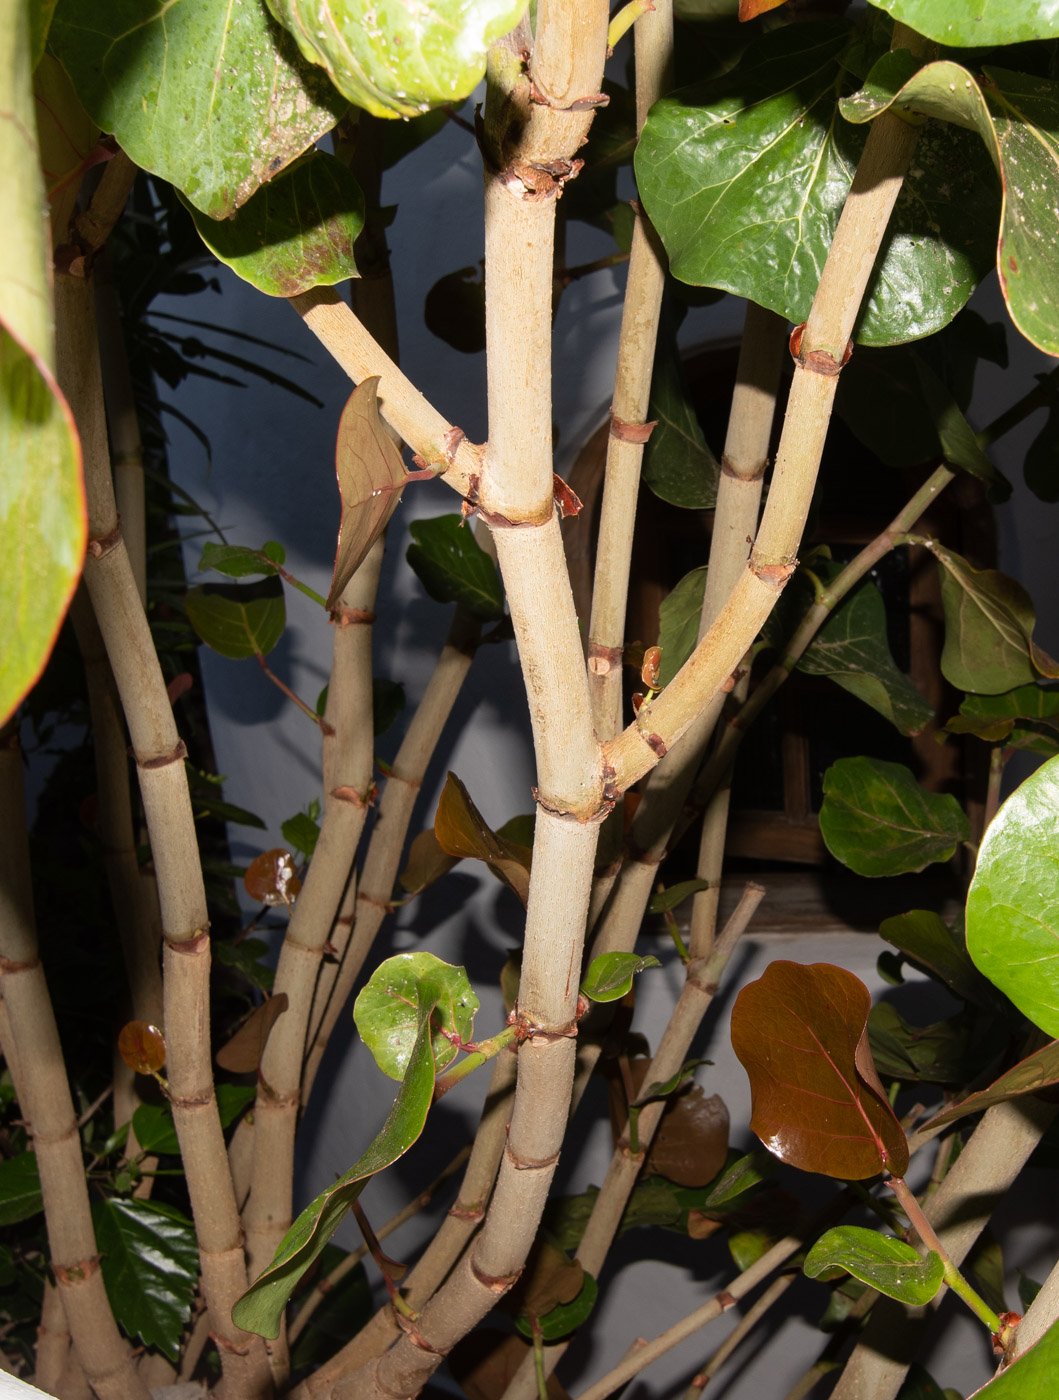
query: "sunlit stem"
624, 20
927, 1234
674, 933
483, 1050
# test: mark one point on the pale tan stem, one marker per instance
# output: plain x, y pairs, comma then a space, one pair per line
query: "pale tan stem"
847, 270
126, 449
93, 227
402, 405
772, 1294
1041, 1314
347, 764
370, 900
653, 37
47, 1106
699, 988
159, 756
959, 1211
53, 1341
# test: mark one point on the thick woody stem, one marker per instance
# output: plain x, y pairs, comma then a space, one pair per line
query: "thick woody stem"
44, 1096
159, 755
820, 351
126, 449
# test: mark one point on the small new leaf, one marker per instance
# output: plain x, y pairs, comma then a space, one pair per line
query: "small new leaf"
886, 1264
609, 977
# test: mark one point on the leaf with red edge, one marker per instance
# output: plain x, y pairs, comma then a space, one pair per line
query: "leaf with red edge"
462, 832
371, 477
242, 1053
801, 1034
750, 9
142, 1047
270, 877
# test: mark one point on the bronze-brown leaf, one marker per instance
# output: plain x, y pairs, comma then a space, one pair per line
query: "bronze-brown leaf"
142, 1047
462, 832
242, 1054
371, 477
270, 877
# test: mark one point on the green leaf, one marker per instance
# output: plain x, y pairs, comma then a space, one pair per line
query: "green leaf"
977, 23
246, 955
945, 1052
852, 649
994, 718
261, 1307
149, 1259
238, 620
679, 617
1017, 118
301, 833
989, 622
454, 310
396, 58
295, 233
889, 1265
20, 1197
213, 97
742, 1176
1013, 901
678, 466
153, 1123
237, 561
387, 702
744, 177
1031, 1377
877, 820
387, 1010
925, 939
454, 568
42, 514
371, 478
564, 1318
609, 977
675, 895
25, 279
800, 1032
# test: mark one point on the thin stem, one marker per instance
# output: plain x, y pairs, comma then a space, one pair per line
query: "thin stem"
998, 756
624, 20
483, 1051
775, 1291
319, 720
926, 1232
565, 275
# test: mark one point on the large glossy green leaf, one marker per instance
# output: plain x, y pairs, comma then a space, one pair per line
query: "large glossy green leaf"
396, 58
20, 1196
1013, 901
296, 232
212, 96
745, 177
678, 465
387, 1010
371, 475
989, 622
977, 23
877, 820
42, 515
238, 620
1036, 1071
853, 650
454, 568
42, 510
149, 1259
260, 1309
801, 1035
1017, 118
889, 1265
925, 938
679, 618
1031, 1377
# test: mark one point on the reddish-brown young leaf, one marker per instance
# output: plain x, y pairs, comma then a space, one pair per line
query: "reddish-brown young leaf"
750, 9
242, 1054
801, 1035
371, 478
270, 877
691, 1144
549, 1278
426, 863
652, 660
462, 832
142, 1047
